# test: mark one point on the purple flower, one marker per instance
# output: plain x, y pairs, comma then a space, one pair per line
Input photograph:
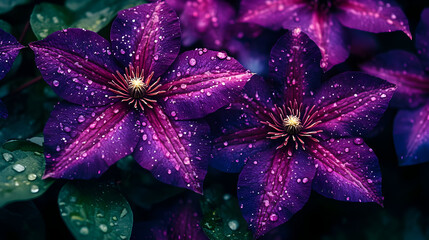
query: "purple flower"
144, 106
295, 138
411, 75
9, 49
324, 21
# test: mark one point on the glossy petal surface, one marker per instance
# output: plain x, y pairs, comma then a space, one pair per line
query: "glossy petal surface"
273, 186
295, 65
372, 16
146, 36
81, 143
411, 136
405, 71
9, 49
176, 152
200, 82
77, 64
347, 170
422, 38
352, 103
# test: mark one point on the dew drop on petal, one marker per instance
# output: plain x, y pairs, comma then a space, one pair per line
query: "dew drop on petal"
358, 141
221, 55
81, 118
274, 217
55, 83
192, 62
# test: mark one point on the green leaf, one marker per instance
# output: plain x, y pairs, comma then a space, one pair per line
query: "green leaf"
22, 165
47, 18
93, 210
91, 15
5, 26
141, 187
222, 217
7, 5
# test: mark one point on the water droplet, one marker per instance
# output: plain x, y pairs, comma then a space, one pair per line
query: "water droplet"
233, 225
274, 217
81, 118
7, 157
55, 83
18, 167
192, 62
221, 55
103, 227
84, 231
34, 189
358, 141
186, 161
123, 213
31, 177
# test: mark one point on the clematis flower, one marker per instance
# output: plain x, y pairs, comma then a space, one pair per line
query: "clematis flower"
133, 96
9, 49
324, 20
411, 74
295, 136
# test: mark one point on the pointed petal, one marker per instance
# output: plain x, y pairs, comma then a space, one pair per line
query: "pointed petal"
325, 30
9, 49
269, 14
347, 170
207, 20
422, 38
146, 36
295, 65
405, 71
272, 187
373, 16
176, 152
352, 103
81, 143
200, 82
77, 65
411, 136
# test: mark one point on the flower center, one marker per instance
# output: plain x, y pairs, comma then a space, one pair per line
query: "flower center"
135, 88
293, 123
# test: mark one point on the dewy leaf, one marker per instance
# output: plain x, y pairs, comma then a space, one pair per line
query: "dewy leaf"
21, 171
5, 26
222, 218
90, 15
7, 5
47, 18
94, 210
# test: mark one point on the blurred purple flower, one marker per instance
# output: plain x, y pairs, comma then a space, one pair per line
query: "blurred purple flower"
411, 75
141, 107
9, 49
295, 139
324, 20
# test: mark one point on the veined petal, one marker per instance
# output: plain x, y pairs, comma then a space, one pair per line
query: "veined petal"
405, 71
352, 103
9, 49
81, 143
347, 170
207, 20
411, 135
274, 186
295, 65
270, 13
200, 82
146, 36
422, 38
372, 16
325, 30
176, 152
77, 64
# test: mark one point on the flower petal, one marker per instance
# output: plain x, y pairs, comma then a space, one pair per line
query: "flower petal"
81, 143
176, 152
325, 30
146, 36
200, 82
77, 64
352, 103
206, 20
373, 16
347, 170
269, 14
422, 38
411, 135
405, 71
9, 49
273, 186
295, 65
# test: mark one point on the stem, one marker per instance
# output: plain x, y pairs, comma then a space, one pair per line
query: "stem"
25, 85
24, 31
